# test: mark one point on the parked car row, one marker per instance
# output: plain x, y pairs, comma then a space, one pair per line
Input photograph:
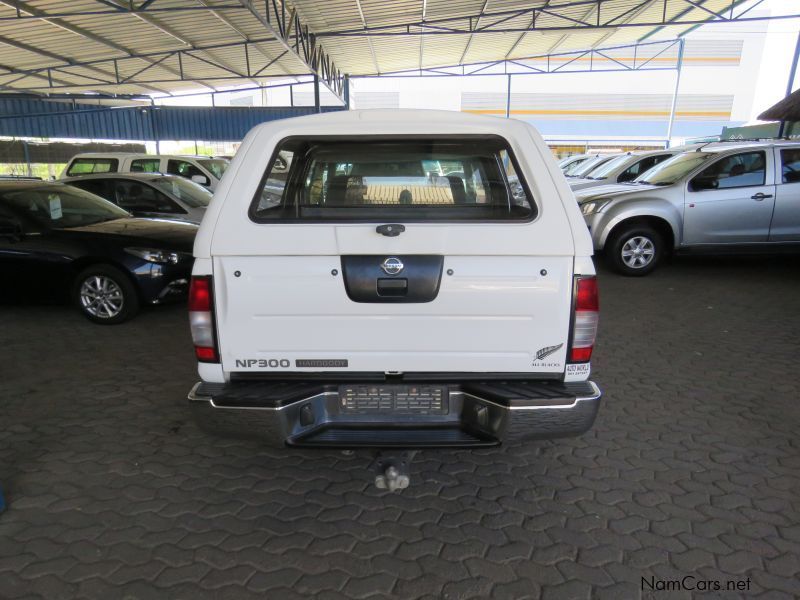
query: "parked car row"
203, 170
115, 233
58, 241
741, 197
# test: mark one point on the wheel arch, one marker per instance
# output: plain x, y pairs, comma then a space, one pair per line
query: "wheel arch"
664, 218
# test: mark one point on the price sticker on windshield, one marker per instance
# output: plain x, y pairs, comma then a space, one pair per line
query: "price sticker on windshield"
55, 206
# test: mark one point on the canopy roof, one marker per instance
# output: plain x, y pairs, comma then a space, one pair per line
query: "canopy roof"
172, 46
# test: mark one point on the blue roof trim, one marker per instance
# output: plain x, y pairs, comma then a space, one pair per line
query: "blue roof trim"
31, 117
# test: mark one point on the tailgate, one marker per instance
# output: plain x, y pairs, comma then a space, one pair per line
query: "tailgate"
492, 314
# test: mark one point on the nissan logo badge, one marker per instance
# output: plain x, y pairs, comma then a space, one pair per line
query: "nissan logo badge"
392, 265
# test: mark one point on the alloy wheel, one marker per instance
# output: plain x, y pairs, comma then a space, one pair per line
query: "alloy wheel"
638, 252
101, 297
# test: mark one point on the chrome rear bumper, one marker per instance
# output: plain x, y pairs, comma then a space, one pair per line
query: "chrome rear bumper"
467, 414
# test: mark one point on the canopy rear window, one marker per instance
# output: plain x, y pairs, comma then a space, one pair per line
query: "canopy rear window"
454, 179
84, 166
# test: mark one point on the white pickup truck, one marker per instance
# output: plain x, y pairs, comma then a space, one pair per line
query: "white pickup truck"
403, 279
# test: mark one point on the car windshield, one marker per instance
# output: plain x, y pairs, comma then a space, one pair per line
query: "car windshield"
61, 206
188, 192
571, 160
216, 166
606, 169
673, 169
590, 165
570, 170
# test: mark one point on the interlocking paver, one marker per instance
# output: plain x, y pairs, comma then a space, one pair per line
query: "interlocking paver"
692, 468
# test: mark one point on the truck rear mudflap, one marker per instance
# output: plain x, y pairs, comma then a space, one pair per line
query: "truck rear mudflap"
384, 414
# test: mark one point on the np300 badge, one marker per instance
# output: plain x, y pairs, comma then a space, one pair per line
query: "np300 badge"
392, 265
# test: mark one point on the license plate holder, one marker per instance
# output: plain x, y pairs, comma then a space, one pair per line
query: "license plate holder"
399, 399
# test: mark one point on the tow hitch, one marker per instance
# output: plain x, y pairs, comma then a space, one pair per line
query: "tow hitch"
392, 469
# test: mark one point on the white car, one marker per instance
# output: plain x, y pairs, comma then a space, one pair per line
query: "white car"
205, 170
377, 303
582, 169
573, 161
622, 168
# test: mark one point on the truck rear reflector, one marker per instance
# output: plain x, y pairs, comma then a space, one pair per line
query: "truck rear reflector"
584, 327
201, 319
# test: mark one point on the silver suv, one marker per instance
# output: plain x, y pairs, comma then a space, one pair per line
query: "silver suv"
723, 196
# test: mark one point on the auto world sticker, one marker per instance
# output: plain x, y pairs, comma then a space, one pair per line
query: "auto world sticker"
577, 372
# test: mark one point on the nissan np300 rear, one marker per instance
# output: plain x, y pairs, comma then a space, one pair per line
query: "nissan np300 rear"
401, 279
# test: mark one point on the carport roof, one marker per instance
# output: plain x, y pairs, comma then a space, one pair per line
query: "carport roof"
173, 46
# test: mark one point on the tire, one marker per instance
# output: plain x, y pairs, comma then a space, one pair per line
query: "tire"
635, 250
105, 295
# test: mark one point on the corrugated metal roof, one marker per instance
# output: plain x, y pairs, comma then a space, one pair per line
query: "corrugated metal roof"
176, 45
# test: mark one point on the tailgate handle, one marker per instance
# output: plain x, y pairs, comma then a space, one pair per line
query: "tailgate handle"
390, 229
392, 287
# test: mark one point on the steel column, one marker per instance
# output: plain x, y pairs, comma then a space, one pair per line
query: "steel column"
316, 93
154, 125
508, 97
672, 109
27, 157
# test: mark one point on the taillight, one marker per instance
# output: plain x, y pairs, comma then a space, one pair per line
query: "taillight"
584, 327
201, 319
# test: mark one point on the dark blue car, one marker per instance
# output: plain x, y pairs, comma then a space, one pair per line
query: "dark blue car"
60, 241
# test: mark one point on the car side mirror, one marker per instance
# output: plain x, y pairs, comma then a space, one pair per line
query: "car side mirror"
201, 179
10, 229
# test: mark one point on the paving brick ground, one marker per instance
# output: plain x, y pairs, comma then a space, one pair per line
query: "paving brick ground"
693, 468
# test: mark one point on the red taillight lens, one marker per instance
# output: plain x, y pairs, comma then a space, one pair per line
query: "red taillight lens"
200, 294
201, 319
584, 329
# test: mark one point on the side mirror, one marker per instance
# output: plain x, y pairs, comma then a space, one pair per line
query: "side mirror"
201, 179
10, 229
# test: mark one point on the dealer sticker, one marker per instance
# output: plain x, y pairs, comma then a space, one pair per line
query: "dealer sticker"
577, 372
55, 206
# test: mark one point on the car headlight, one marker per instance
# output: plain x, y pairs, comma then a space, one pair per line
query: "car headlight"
589, 208
155, 256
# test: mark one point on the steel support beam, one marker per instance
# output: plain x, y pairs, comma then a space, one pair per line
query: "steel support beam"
647, 56
19, 5
298, 41
167, 30
151, 58
270, 59
556, 18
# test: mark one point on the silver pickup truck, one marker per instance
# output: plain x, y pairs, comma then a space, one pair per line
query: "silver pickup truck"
722, 197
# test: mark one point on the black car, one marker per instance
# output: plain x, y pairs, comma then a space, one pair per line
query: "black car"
58, 240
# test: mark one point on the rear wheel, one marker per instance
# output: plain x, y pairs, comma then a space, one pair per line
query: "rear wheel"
105, 295
635, 250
